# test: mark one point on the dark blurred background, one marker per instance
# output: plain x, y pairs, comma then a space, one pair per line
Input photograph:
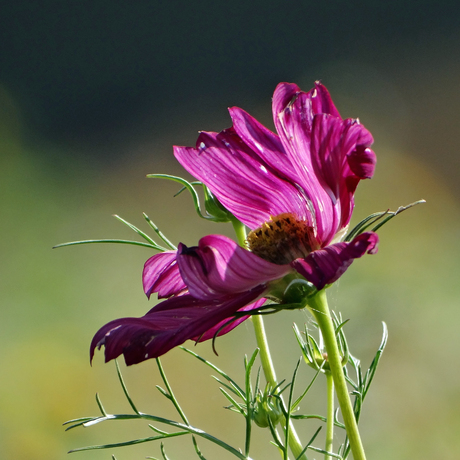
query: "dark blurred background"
92, 97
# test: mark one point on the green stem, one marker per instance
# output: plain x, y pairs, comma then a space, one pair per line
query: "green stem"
270, 377
265, 357
330, 415
319, 308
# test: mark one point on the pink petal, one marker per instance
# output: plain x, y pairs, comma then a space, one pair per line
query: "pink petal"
219, 267
249, 188
263, 142
293, 122
327, 265
161, 274
337, 151
321, 101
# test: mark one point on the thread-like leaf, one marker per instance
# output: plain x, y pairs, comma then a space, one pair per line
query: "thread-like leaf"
188, 186
222, 373
160, 234
135, 243
309, 443
127, 443
125, 389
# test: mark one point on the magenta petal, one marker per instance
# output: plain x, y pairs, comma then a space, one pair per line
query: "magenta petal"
321, 101
327, 265
362, 162
262, 141
164, 327
249, 188
340, 158
161, 274
219, 267
283, 95
294, 125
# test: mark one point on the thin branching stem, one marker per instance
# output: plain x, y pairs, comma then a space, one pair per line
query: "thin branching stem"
265, 356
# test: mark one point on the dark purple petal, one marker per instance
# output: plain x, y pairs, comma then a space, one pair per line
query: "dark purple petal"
166, 326
161, 274
229, 326
245, 185
327, 265
219, 267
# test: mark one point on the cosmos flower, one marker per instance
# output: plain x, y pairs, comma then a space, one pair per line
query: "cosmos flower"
294, 190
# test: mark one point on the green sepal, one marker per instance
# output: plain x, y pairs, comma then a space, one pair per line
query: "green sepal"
214, 207
298, 290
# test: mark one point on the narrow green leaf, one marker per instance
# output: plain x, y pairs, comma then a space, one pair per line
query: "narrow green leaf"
170, 394
161, 235
135, 243
99, 403
325, 452
229, 388
309, 443
139, 232
163, 392
181, 426
276, 437
125, 390
288, 412
299, 399
222, 373
77, 422
197, 449
127, 443
318, 417
187, 185
236, 405
394, 214
375, 362
365, 224
157, 430
249, 398
163, 453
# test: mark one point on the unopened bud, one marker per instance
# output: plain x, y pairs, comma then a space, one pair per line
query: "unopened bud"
266, 408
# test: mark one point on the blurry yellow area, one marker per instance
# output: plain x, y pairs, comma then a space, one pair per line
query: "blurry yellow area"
54, 300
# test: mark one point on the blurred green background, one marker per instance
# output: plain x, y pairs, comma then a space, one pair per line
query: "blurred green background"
93, 94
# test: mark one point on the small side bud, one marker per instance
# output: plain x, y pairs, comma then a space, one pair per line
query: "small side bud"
314, 354
266, 407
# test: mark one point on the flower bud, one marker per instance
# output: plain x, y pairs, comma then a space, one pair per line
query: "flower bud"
315, 354
266, 407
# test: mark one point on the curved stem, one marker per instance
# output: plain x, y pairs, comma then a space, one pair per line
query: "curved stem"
265, 357
318, 306
330, 415
270, 377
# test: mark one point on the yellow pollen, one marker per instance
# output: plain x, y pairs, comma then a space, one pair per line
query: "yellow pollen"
282, 239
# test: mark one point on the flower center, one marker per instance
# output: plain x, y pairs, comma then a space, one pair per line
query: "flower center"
282, 239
